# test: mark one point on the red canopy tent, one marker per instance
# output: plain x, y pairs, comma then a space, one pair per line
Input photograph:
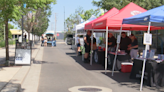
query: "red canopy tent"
115, 22
89, 26
110, 13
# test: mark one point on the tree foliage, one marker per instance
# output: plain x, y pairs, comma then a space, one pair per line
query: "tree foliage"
75, 18
11, 10
42, 23
88, 13
33, 14
109, 4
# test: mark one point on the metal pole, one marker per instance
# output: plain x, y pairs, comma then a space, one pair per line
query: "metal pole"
32, 37
118, 38
91, 48
64, 18
22, 28
106, 50
143, 68
55, 25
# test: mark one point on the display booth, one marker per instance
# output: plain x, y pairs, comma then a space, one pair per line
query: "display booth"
89, 26
152, 18
115, 23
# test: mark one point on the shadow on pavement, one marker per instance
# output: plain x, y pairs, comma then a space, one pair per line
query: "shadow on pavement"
10, 86
123, 80
87, 66
43, 62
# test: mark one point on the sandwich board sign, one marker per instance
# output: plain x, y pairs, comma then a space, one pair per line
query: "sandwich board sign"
23, 56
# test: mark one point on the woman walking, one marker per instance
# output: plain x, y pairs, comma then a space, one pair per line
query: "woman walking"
45, 41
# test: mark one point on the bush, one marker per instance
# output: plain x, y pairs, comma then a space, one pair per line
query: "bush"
2, 42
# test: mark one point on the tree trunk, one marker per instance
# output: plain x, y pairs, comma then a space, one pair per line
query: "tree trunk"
28, 37
6, 40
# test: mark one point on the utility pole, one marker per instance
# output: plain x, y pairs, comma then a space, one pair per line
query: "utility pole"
55, 24
64, 18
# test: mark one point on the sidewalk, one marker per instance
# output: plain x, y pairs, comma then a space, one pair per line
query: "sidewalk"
12, 77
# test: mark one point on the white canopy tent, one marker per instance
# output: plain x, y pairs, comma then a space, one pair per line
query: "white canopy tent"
82, 25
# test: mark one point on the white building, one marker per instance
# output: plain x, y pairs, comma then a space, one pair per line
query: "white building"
16, 34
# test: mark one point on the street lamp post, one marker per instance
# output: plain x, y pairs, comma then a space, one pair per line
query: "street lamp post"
24, 6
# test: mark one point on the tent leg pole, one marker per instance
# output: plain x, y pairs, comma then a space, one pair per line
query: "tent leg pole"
106, 50
91, 48
75, 36
143, 68
83, 51
116, 51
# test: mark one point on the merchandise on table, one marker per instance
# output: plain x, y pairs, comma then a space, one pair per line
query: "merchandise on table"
153, 72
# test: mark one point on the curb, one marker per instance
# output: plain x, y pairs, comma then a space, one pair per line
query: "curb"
14, 85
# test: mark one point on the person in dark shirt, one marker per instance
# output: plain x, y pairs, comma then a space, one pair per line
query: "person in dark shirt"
94, 43
125, 42
25, 36
87, 45
133, 47
111, 40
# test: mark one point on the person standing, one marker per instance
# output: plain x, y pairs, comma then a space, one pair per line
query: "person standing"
133, 47
87, 45
45, 41
111, 42
125, 42
54, 40
78, 45
42, 40
25, 36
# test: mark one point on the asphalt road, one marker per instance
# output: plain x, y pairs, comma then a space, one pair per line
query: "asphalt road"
61, 69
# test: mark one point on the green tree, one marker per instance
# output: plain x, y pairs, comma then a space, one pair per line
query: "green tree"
88, 13
42, 23
109, 4
2, 31
35, 7
10, 27
79, 12
9, 10
13, 9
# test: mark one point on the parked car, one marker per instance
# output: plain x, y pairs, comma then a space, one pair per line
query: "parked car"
69, 39
50, 39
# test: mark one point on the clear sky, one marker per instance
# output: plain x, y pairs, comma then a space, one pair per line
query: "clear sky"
70, 7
